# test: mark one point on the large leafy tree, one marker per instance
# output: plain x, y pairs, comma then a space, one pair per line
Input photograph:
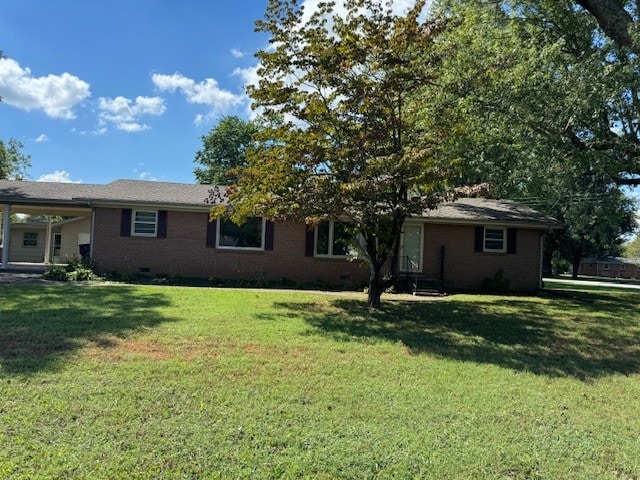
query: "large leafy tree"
13, 162
344, 139
545, 114
223, 150
542, 80
596, 216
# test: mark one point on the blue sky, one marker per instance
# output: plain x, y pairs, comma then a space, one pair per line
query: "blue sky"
99, 90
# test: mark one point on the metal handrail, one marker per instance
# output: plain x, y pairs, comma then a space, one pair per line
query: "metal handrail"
411, 269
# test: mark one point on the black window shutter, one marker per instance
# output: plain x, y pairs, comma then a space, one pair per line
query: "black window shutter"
211, 233
479, 240
162, 224
268, 235
512, 234
309, 241
125, 223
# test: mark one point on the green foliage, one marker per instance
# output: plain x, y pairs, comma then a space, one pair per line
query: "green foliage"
596, 223
116, 276
44, 218
539, 90
145, 383
546, 115
176, 280
13, 163
632, 249
499, 283
224, 150
343, 136
56, 273
76, 269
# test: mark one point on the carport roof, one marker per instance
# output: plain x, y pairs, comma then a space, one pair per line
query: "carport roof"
135, 192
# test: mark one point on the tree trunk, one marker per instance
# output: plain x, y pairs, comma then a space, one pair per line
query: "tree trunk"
375, 287
575, 265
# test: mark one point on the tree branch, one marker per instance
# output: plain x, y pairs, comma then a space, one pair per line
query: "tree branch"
613, 19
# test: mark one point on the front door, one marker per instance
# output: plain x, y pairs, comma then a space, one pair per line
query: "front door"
57, 245
411, 248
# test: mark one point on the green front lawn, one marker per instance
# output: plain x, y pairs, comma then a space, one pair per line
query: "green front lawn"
170, 382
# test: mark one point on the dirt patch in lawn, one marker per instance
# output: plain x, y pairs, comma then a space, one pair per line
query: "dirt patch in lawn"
116, 349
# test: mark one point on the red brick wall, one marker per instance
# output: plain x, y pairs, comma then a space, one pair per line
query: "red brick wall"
184, 252
466, 269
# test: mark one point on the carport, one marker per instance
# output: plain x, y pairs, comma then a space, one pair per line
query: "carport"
39, 198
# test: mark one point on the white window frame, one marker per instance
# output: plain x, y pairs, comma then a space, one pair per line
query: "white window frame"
135, 222
315, 242
606, 267
504, 240
241, 249
24, 238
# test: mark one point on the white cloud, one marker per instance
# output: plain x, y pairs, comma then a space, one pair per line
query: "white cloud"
199, 120
125, 113
59, 176
207, 92
143, 174
237, 53
146, 175
56, 95
42, 138
248, 75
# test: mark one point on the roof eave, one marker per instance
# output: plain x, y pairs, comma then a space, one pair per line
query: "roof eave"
534, 225
151, 205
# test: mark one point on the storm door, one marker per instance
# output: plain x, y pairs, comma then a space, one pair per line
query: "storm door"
411, 248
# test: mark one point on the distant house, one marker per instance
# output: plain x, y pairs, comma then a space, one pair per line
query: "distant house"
152, 228
612, 267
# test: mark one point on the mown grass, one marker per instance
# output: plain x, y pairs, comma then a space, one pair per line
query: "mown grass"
169, 382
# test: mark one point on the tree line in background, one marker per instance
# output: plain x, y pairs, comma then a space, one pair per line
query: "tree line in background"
13, 162
373, 117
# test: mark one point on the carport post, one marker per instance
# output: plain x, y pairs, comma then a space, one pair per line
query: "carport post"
47, 242
6, 235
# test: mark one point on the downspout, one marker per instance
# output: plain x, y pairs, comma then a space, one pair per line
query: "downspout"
6, 236
541, 271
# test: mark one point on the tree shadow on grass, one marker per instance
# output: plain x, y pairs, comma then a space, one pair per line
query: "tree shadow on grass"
552, 337
41, 326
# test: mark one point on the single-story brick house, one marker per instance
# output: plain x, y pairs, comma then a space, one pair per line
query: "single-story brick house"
134, 226
612, 267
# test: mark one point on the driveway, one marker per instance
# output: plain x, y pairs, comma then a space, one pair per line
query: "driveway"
592, 283
21, 278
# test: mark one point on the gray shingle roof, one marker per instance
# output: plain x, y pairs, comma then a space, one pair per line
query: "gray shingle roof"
482, 210
183, 195
119, 191
146, 192
13, 191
